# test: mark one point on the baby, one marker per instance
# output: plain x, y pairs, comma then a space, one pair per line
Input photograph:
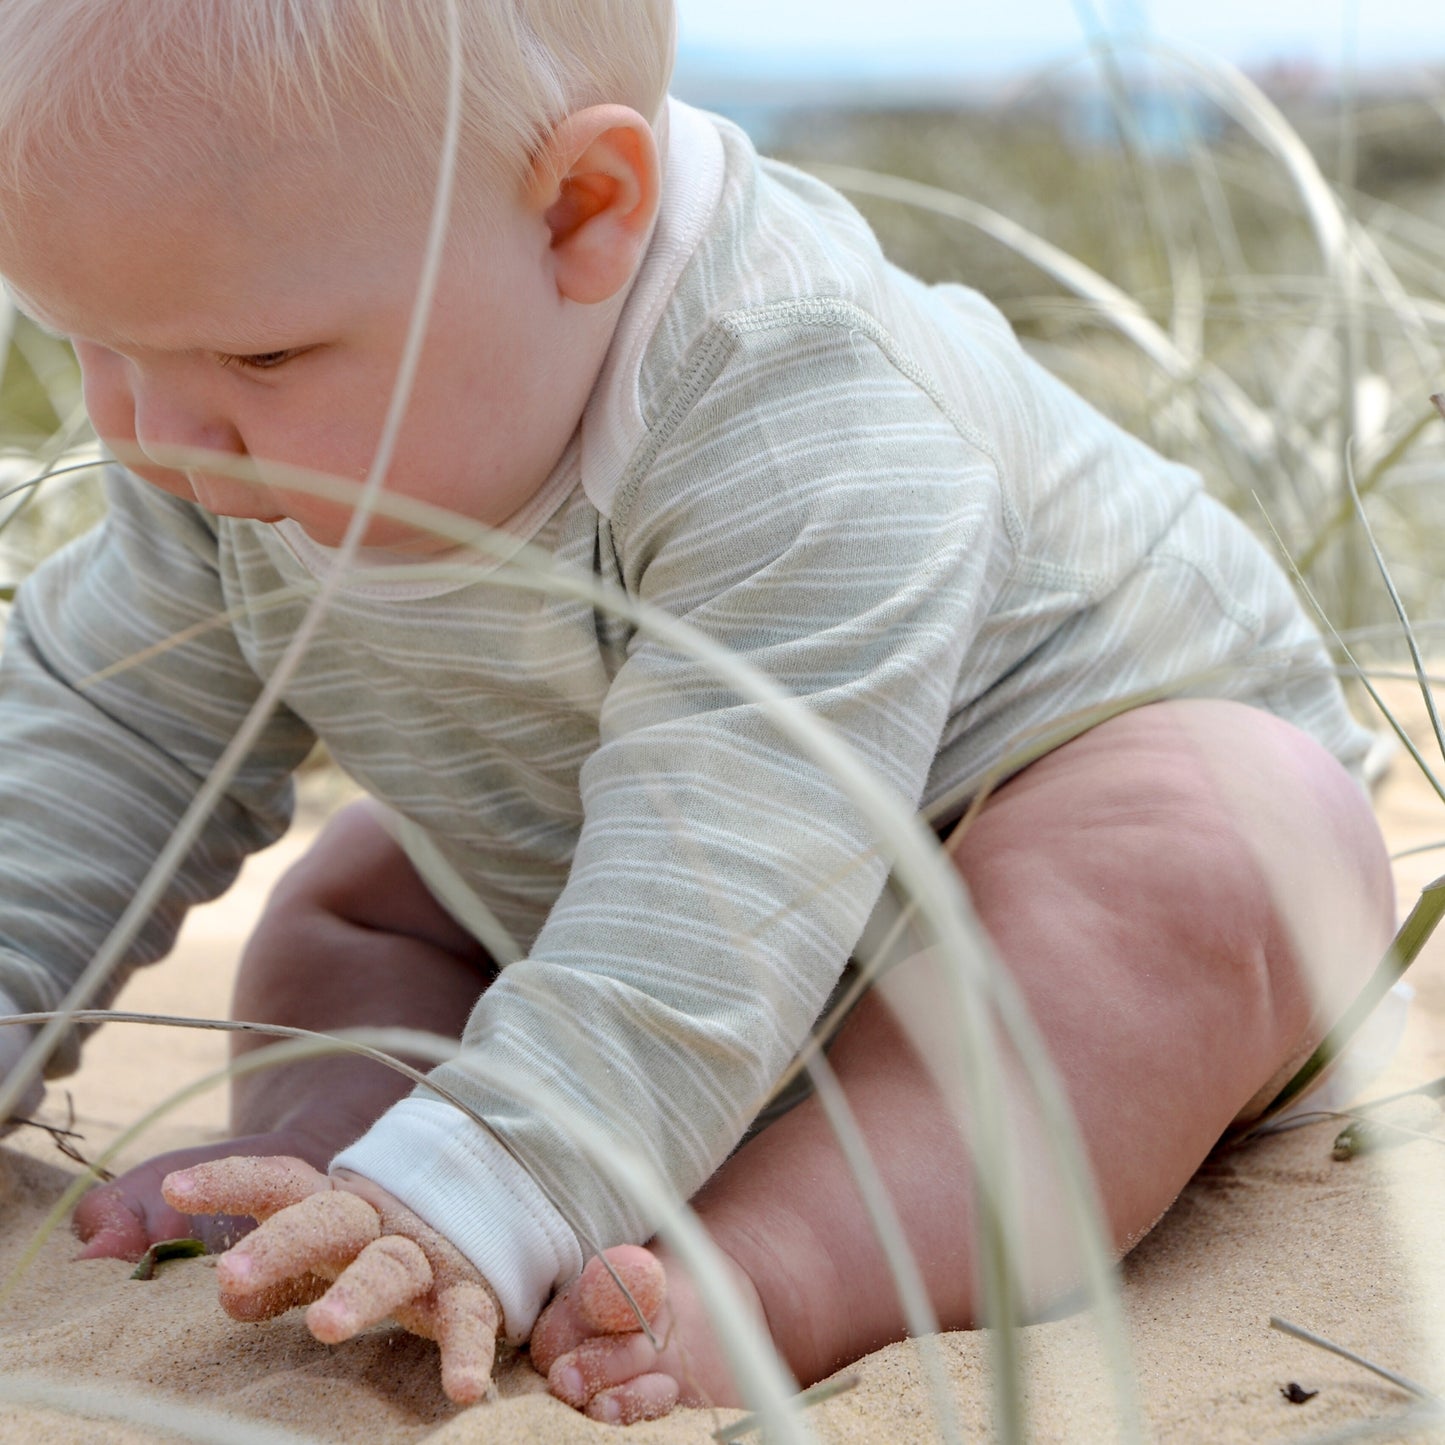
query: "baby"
688, 376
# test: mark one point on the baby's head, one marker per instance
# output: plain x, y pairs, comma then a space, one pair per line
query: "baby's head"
225, 204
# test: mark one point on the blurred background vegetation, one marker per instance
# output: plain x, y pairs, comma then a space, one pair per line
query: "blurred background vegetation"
1159, 239
1271, 358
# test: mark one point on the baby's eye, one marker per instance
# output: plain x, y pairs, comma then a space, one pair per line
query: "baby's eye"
262, 360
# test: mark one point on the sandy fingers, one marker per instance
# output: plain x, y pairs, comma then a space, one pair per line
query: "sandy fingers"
320, 1235
388, 1273
257, 1188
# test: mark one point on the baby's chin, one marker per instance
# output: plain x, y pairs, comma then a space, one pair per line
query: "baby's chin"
384, 542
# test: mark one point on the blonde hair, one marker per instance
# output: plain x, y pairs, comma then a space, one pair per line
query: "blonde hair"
154, 82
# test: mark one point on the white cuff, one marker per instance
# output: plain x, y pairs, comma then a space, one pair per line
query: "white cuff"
462, 1182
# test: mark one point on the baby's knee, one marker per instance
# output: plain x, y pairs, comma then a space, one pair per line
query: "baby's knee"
356, 874
1297, 858
1210, 830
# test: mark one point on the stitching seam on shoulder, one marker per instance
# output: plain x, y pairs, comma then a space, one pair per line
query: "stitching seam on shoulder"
816, 312
716, 350
825, 311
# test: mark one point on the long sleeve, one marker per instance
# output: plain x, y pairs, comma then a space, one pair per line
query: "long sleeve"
862, 486
119, 687
845, 540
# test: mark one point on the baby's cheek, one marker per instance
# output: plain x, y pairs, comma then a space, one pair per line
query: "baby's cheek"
108, 397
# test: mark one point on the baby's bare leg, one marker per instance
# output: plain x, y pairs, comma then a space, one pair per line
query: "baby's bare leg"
1152, 888
350, 937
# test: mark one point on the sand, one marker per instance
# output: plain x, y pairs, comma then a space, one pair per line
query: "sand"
1347, 1249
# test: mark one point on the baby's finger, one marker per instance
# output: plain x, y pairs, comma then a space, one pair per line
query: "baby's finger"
258, 1188
322, 1234
467, 1324
387, 1274
266, 1304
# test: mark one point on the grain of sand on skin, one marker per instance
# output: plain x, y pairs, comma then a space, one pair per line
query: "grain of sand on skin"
1278, 1228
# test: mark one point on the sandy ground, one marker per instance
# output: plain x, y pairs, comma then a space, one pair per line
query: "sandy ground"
1347, 1249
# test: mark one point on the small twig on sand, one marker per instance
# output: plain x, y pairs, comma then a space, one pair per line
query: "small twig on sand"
1275, 1323
61, 1138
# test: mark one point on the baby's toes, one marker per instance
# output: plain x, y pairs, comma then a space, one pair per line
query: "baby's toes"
593, 1305
614, 1310
613, 1378
645, 1397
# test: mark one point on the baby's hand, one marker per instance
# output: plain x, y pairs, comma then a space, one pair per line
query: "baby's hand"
355, 1255
122, 1219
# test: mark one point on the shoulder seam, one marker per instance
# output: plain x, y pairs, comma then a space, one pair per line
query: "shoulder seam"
834, 312
818, 312
719, 345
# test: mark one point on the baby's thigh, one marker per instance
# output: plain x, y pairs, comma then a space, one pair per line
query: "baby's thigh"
1188, 895
356, 875
352, 936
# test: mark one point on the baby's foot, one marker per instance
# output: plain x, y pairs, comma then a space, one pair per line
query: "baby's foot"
591, 1346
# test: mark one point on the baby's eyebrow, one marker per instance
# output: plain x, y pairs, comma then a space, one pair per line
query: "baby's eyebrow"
249, 337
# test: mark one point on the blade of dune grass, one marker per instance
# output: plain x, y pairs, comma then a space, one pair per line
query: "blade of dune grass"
7, 332
912, 1289
1421, 1421
1408, 632
1320, 1342
32, 483
166, 1417
1246, 103
1106, 53
1413, 935
1355, 671
1349, 506
1413, 315
818, 1394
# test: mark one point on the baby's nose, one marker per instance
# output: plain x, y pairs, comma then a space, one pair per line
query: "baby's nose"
171, 428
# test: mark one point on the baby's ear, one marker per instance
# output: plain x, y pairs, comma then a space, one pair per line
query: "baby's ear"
598, 181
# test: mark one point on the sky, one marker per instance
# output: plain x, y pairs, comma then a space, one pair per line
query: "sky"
989, 37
